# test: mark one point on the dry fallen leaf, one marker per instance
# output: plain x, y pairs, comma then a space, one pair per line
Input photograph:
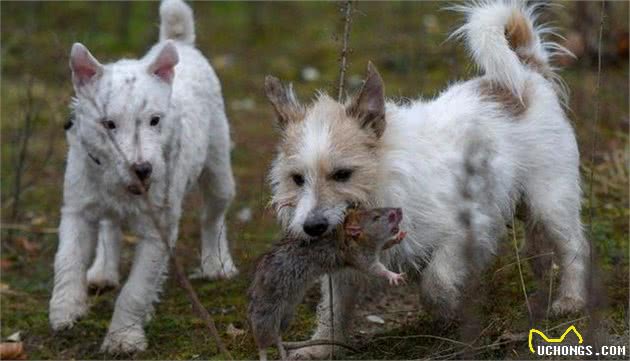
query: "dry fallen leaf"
234, 332
375, 319
15, 337
4, 288
38, 221
12, 351
28, 246
5, 264
130, 239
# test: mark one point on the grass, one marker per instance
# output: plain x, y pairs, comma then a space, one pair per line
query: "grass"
245, 41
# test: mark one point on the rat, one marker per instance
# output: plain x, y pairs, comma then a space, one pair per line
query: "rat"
284, 274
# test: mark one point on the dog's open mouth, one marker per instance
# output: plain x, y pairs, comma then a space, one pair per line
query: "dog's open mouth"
138, 188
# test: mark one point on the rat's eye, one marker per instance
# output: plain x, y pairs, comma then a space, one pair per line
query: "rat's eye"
155, 120
341, 175
376, 218
108, 124
298, 179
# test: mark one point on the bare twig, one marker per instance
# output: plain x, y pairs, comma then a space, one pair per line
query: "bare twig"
424, 336
594, 297
591, 211
28, 228
309, 343
343, 63
24, 138
523, 259
520, 270
343, 60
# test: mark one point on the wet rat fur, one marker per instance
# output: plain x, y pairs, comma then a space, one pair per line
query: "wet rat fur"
284, 274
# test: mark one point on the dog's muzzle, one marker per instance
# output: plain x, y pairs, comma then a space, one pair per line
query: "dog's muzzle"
315, 225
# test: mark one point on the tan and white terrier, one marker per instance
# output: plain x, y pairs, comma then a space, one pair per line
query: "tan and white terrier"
372, 153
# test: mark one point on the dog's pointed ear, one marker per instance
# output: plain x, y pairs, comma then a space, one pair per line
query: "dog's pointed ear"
163, 66
368, 107
84, 66
284, 101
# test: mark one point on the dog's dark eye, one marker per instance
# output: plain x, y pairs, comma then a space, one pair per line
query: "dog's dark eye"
155, 120
109, 124
298, 179
341, 175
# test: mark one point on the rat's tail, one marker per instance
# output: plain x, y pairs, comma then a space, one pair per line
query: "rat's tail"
176, 21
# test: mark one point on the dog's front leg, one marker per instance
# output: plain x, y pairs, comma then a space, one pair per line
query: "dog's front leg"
76, 244
346, 286
134, 306
103, 274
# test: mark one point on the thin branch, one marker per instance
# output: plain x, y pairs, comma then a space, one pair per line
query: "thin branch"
28, 228
343, 64
424, 336
24, 138
591, 213
523, 259
520, 270
309, 343
343, 60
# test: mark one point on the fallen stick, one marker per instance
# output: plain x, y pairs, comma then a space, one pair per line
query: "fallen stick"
28, 228
294, 345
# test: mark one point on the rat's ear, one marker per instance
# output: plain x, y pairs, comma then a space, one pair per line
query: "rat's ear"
84, 66
284, 101
368, 107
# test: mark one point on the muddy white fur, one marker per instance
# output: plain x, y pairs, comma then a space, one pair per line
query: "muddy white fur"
372, 152
165, 111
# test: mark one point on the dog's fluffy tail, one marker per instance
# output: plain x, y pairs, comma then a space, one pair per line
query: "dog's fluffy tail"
176, 21
505, 42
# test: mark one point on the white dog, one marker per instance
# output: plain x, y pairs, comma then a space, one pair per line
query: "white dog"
374, 153
163, 117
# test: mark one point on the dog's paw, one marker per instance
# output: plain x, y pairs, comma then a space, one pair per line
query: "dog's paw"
63, 314
124, 341
216, 270
100, 281
567, 304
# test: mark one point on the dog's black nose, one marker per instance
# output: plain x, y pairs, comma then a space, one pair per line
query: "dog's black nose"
142, 170
315, 226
